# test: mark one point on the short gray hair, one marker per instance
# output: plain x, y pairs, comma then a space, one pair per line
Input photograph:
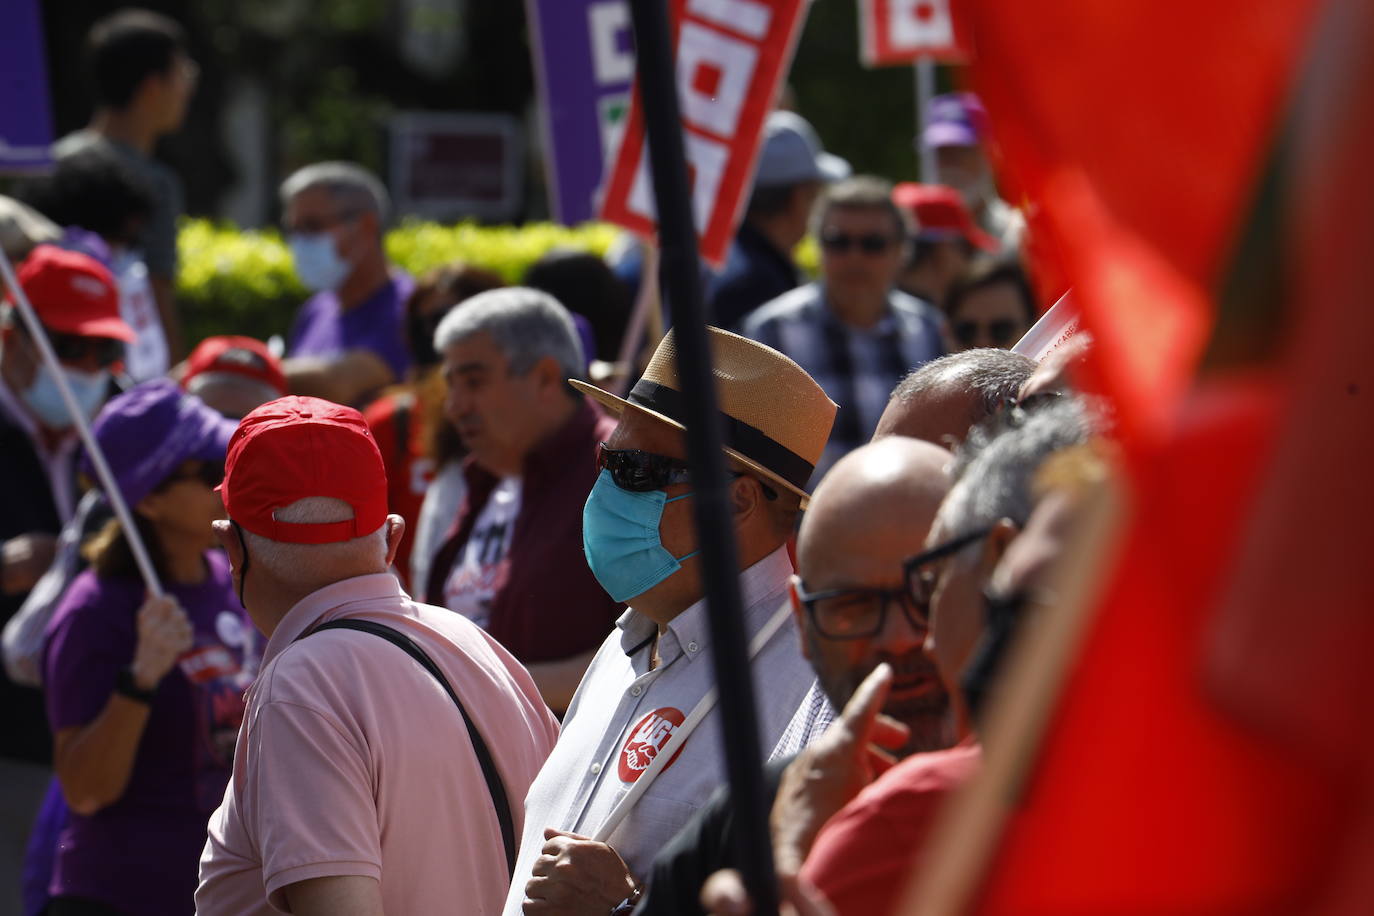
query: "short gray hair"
525, 323
995, 468
995, 376
353, 187
292, 561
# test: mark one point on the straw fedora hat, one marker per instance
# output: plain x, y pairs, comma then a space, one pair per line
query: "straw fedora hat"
776, 418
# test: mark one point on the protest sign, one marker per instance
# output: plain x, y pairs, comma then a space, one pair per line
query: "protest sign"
1052, 331
584, 64
893, 32
731, 57
25, 118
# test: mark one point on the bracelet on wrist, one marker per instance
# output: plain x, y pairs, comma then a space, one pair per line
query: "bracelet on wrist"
626, 906
127, 686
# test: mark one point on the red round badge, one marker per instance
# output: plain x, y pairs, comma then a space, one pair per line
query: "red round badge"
647, 738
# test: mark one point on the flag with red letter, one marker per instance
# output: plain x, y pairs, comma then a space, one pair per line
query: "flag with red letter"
731, 57
893, 32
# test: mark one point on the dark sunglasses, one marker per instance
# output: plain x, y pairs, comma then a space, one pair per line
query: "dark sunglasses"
859, 613
210, 473
641, 472
869, 243
74, 348
920, 582
1000, 332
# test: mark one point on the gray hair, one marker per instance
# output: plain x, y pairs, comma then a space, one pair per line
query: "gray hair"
525, 323
995, 467
353, 187
996, 376
326, 562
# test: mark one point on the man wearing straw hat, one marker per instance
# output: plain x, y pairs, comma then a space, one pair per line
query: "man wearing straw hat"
632, 766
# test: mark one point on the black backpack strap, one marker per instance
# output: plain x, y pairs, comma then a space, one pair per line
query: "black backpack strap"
494, 786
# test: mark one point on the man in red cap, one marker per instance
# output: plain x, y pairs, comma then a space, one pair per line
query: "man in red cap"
233, 374
76, 301
358, 786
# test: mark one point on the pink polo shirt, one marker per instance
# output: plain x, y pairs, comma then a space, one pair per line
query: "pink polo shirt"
353, 761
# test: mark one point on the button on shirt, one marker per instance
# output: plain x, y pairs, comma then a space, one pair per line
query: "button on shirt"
624, 712
857, 367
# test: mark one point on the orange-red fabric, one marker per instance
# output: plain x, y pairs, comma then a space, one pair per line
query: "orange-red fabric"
408, 470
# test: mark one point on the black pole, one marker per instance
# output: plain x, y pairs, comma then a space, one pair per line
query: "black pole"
681, 271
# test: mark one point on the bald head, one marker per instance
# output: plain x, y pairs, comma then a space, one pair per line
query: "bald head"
870, 513
941, 401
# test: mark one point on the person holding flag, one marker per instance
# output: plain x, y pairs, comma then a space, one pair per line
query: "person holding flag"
144, 693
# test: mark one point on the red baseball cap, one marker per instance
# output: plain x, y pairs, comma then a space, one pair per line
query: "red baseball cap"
73, 293
245, 356
293, 448
940, 210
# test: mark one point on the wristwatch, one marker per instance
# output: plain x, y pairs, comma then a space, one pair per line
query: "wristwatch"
627, 906
126, 686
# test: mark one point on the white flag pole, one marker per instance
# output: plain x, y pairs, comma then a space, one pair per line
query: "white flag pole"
925, 91
83, 428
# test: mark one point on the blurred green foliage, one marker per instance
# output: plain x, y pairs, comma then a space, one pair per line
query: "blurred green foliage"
236, 281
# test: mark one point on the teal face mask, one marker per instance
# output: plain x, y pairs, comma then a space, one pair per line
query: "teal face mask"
620, 538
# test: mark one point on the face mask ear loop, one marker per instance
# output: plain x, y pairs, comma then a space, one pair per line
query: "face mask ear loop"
243, 569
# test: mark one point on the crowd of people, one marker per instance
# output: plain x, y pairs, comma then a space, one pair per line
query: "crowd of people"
444, 463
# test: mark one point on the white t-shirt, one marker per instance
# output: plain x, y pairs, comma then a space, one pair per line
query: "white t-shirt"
147, 357
472, 584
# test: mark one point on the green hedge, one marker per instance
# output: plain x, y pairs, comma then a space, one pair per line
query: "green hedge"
235, 281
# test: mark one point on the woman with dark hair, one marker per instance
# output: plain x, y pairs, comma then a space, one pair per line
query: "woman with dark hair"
990, 305
145, 694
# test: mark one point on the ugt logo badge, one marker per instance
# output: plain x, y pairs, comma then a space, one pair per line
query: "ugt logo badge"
646, 740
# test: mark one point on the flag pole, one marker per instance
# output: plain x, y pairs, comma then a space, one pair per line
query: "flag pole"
83, 428
681, 270
925, 91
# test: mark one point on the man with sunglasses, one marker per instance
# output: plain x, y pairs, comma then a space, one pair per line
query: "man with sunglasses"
853, 331
348, 340
76, 301
654, 673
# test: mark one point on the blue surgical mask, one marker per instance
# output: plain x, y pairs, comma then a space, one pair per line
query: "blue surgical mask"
317, 261
620, 538
44, 398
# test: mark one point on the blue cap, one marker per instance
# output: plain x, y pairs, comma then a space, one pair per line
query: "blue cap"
147, 432
792, 154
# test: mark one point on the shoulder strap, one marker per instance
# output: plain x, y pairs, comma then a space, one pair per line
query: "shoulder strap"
494, 786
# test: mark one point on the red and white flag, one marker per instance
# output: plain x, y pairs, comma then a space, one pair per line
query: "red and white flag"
894, 32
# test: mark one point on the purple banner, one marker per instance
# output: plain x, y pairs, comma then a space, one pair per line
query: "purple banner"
584, 65
25, 118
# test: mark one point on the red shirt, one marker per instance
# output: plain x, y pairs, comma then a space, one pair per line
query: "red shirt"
546, 605
864, 855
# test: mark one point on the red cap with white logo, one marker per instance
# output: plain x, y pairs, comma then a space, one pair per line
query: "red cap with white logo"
73, 293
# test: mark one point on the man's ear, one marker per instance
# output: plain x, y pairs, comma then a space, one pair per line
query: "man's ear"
395, 530
994, 545
746, 498
798, 613
233, 548
549, 375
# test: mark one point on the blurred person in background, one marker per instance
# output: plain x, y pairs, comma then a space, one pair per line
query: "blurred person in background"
512, 560
96, 191
408, 422
233, 374
956, 128
145, 694
941, 401
75, 299
990, 305
852, 330
584, 284
348, 340
944, 242
143, 79
791, 171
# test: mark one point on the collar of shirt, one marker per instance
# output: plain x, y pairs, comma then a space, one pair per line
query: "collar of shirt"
336, 597
689, 633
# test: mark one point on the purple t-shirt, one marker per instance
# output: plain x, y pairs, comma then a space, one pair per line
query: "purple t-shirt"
141, 854
323, 329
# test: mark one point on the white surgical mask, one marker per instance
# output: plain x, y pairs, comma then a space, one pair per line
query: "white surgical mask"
44, 398
317, 261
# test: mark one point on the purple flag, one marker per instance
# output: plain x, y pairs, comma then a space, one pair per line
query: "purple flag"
25, 118
584, 65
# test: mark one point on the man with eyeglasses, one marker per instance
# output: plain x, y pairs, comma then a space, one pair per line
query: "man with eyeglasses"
76, 301
853, 331
641, 747
348, 339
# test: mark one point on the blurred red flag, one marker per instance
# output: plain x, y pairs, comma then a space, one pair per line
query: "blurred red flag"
1208, 753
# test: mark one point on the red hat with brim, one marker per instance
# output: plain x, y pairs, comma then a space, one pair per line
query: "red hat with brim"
243, 356
73, 293
294, 448
940, 211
